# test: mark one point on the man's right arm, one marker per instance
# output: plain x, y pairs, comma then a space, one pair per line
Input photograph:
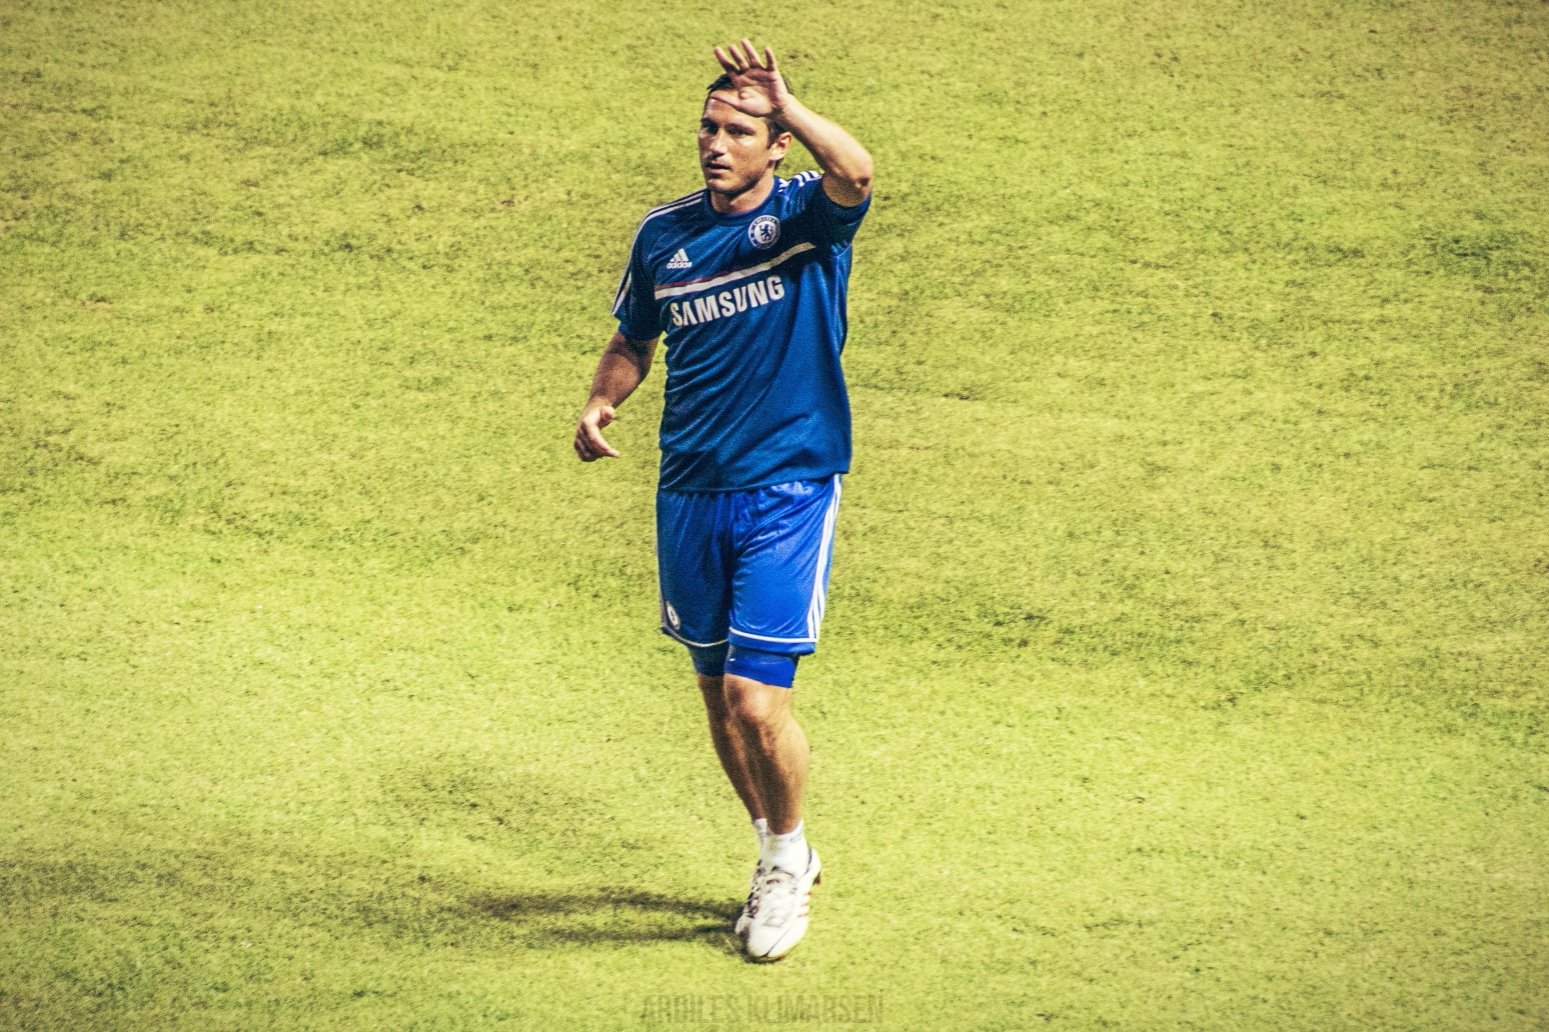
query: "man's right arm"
624, 364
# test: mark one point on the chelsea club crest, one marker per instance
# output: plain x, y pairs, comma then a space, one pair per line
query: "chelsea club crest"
764, 231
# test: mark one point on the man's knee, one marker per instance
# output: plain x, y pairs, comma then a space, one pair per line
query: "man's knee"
755, 705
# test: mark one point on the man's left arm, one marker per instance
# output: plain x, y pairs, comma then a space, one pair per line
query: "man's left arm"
845, 163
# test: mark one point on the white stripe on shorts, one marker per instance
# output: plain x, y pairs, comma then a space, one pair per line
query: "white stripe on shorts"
819, 592
765, 637
696, 644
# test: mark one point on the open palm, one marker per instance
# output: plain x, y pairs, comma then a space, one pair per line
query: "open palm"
760, 87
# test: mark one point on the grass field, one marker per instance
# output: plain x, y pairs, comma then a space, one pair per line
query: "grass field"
1185, 664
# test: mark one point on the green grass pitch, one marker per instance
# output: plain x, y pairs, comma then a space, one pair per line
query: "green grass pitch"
1185, 662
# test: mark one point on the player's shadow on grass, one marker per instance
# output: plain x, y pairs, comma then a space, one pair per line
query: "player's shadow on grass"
614, 916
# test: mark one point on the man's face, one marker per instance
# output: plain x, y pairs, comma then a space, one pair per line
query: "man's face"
735, 151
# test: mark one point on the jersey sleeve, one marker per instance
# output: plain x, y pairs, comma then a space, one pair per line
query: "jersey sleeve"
827, 222
635, 303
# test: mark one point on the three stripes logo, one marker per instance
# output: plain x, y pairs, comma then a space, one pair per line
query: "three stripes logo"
680, 260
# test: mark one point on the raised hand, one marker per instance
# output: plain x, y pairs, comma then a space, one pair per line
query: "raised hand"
760, 87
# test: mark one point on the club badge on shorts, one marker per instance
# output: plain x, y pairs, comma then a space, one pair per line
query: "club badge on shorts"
764, 231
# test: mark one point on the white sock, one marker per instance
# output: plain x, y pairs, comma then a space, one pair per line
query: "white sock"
761, 829
787, 852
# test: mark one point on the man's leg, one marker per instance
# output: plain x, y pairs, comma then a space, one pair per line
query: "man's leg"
773, 748
777, 754
726, 736
784, 540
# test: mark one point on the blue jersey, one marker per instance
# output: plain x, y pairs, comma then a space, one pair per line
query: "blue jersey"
753, 308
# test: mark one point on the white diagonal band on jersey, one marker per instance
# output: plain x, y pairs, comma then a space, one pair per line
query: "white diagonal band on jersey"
679, 289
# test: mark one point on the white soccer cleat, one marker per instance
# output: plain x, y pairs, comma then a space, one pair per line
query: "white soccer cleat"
750, 907
779, 918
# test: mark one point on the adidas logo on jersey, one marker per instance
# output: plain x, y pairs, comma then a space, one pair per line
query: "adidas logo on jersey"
680, 260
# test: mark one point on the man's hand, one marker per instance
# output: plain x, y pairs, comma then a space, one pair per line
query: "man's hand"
623, 365
589, 443
761, 90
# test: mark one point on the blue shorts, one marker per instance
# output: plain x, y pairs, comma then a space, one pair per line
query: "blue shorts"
747, 569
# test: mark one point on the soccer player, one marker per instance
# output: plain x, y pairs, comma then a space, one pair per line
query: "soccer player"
747, 280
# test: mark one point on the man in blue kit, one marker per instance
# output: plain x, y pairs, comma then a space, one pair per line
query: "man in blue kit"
747, 279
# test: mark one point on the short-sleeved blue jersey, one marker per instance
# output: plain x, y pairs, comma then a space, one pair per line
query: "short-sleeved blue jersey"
753, 308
